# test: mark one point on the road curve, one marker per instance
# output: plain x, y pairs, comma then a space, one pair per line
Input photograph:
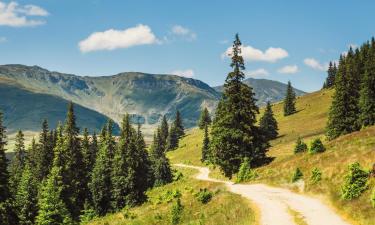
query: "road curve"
274, 203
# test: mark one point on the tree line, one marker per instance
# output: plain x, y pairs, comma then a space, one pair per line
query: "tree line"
353, 105
65, 178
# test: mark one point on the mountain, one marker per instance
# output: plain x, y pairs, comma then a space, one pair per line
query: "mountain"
145, 96
266, 90
24, 109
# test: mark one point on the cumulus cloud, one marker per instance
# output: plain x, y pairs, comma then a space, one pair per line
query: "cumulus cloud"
315, 64
116, 39
183, 32
289, 69
257, 73
14, 15
184, 73
250, 53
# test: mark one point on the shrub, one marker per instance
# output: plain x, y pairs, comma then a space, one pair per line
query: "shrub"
176, 212
297, 175
245, 172
373, 198
204, 195
300, 146
177, 175
168, 196
316, 175
355, 182
317, 146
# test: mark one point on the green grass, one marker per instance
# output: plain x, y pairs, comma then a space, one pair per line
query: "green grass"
308, 123
224, 208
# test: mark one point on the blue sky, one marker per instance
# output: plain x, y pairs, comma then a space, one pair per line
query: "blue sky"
282, 40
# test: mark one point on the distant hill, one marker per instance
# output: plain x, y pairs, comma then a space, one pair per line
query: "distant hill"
24, 109
145, 96
266, 90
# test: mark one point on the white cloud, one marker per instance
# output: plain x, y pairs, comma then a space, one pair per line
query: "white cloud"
315, 64
353, 46
289, 69
15, 15
184, 32
184, 73
115, 39
257, 73
250, 53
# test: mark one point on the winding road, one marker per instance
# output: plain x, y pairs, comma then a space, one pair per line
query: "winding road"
275, 203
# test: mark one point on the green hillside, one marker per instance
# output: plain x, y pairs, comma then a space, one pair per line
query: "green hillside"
26, 110
308, 123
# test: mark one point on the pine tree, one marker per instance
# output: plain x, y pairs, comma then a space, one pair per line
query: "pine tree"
144, 171
73, 173
6, 211
18, 162
205, 119
268, 123
331, 75
205, 146
289, 101
367, 93
344, 112
160, 164
100, 185
234, 133
87, 160
52, 209
44, 157
178, 126
27, 197
172, 140
164, 129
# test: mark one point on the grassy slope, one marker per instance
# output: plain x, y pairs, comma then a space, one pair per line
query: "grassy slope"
308, 123
224, 209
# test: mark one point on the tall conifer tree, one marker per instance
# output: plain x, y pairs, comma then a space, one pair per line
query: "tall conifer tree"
164, 129
234, 133
178, 125
205, 119
44, 155
160, 164
18, 162
205, 145
268, 123
289, 101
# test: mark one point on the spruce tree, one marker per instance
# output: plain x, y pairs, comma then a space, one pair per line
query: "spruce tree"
344, 112
52, 208
331, 75
172, 140
100, 185
144, 171
205, 119
74, 174
205, 145
164, 129
6, 211
234, 133
160, 164
18, 162
178, 126
268, 123
27, 197
87, 160
44, 157
367, 93
289, 101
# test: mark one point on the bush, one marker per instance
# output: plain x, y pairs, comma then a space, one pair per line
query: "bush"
204, 195
297, 175
300, 146
177, 175
373, 198
317, 146
355, 182
245, 172
316, 175
176, 212
168, 196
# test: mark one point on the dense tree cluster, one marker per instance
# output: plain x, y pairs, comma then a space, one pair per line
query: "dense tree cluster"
65, 178
234, 133
353, 105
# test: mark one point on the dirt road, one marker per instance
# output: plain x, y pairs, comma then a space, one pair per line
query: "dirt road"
275, 203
